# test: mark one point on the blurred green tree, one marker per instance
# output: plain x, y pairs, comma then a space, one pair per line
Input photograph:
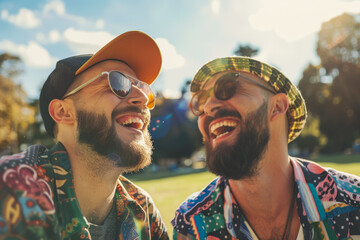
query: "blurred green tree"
15, 113
332, 89
36, 133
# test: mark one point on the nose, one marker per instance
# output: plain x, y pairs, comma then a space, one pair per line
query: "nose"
137, 97
212, 105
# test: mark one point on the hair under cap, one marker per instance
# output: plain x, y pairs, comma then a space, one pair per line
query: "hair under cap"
279, 82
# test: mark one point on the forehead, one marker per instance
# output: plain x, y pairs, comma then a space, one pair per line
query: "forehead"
212, 80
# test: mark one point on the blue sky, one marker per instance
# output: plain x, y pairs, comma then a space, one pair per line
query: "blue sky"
189, 32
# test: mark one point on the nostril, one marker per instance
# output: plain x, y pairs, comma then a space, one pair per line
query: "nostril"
137, 97
214, 109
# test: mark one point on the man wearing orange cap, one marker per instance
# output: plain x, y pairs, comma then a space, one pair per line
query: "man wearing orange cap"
97, 109
248, 112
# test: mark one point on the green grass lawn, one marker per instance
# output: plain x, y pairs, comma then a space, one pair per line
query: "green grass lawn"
169, 191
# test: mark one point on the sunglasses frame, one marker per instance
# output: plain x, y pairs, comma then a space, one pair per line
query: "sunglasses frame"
236, 79
136, 83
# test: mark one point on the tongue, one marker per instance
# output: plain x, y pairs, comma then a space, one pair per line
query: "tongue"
133, 125
223, 129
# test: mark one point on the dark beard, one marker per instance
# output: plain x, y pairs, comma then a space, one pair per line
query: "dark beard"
241, 160
96, 133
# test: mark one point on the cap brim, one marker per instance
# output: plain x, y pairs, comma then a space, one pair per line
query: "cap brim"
135, 48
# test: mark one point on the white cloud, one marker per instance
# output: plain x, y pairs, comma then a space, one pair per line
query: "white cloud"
215, 6
58, 7
33, 54
4, 14
41, 37
100, 24
25, 18
55, 6
77, 19
82, 42
293, 19
52, 37
171, 59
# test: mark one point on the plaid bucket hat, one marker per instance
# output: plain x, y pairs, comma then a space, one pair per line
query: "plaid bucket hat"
279, 82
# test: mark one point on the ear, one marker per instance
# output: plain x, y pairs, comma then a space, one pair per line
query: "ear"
62, 112
280, 105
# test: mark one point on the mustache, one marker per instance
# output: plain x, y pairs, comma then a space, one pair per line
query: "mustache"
132, 109
219, 114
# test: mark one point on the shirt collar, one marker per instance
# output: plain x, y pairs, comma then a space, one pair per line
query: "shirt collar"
307, 201
67, 206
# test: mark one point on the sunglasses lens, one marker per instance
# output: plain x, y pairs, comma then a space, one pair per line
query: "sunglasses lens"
120, 84
197, 103
224, 89
225, 86
151, 103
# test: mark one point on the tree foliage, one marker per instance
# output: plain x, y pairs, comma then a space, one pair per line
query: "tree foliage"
246, 50
15, 113
332, 89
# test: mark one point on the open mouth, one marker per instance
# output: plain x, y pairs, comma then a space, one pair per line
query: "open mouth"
221, 128
131, 122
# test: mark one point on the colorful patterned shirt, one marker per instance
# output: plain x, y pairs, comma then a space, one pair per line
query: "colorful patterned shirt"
328, 203
38, 201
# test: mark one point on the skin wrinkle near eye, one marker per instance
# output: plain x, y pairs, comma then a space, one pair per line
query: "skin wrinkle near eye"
77, 82
97, 90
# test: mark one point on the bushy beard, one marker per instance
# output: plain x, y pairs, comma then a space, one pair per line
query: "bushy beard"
97, 134
241, 159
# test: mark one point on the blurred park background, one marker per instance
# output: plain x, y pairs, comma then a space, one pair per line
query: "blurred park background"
330, 86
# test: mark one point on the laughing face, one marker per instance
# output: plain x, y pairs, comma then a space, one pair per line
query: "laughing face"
114, 128
102, 138
235, 131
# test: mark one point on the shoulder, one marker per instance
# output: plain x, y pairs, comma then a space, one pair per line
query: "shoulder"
196, 203
137, 193
31, 156
23, 174
331, 184
133, 193
25, 192
144, 200
200, 199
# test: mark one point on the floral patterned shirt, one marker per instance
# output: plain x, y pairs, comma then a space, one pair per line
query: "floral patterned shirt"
38, 201
328, 203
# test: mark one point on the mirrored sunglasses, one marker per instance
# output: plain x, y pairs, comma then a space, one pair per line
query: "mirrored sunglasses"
224, 89
121, 85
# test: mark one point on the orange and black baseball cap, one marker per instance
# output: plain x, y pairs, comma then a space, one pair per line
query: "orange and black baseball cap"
135, 48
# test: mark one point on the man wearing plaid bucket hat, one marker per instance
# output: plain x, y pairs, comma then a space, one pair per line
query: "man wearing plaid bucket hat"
248, 112
97, 107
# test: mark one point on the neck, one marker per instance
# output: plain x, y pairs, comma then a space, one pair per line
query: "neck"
265, 199
275, 179
95, 181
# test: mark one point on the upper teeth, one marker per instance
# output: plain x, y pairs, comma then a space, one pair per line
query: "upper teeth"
226, 123
133, 120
